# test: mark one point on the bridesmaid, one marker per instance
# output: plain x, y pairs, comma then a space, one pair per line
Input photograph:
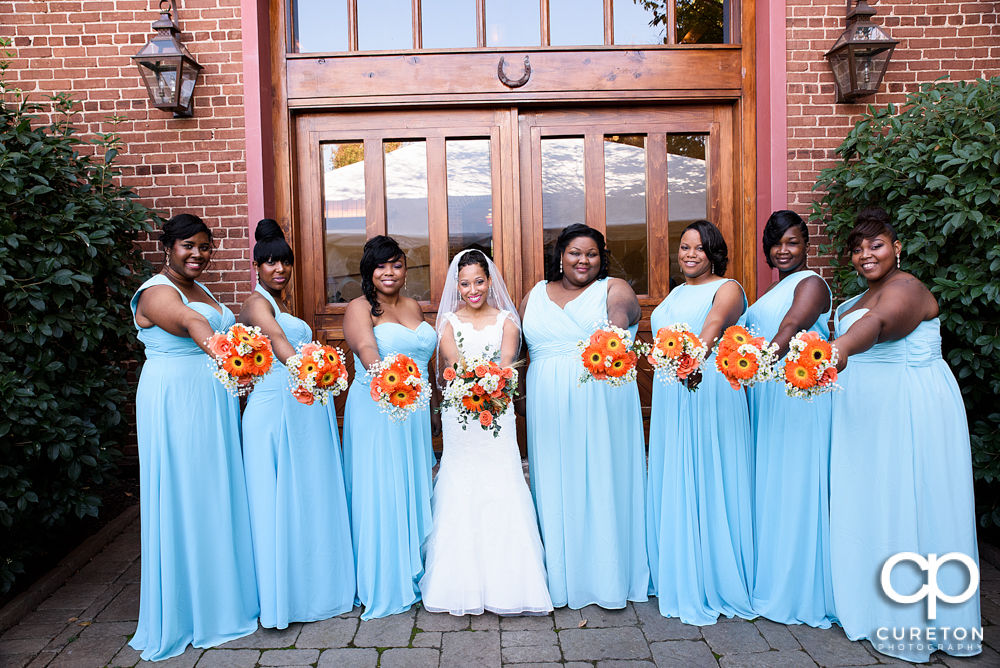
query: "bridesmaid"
791, 507
699, 517
295, 479
585, 444
901, 467
198, 583
387, 466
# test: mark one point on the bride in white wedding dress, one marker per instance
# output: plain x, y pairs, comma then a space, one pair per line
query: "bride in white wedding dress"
484, 551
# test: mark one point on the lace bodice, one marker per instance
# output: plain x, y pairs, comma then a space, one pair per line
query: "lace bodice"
478, 343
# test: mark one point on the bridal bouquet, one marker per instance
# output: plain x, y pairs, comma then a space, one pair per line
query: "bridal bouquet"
397, 387
745, 359
242, 356
479, 389
610, 355
810, 366
677, 352
317, 372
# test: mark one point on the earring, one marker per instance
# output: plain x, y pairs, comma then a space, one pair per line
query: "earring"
897, 261
713, 268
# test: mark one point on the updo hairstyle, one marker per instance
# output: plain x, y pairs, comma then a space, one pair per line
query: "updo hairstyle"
183, 226
271, 245
377, 250
871, 222
779, 223
474, 257
575, 231
713, 244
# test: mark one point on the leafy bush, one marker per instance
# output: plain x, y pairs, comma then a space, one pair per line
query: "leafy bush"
935, 166
68, 267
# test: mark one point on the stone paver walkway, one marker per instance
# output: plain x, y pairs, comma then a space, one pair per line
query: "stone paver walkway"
87, 623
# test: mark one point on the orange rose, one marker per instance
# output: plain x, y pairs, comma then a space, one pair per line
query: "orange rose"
508, 373
376, 393
687, 366
829, 377
481, 370
309, 348
303, 396
221, 346
486, 418
449, 374
478, 389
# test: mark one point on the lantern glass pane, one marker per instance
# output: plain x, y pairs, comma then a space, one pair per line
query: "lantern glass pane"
188, 76
841, 66
160, 45
160, 77
870, 65
868, 32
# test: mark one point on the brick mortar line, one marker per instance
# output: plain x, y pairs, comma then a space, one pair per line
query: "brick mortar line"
23, 605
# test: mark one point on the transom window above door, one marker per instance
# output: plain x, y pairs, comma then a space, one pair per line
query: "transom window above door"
322, 26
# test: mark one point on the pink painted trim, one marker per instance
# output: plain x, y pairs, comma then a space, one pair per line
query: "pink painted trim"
772, 125
257, 113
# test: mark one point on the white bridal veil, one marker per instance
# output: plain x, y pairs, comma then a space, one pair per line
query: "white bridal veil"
498, 298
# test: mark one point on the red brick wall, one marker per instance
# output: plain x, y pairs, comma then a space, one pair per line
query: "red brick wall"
958, 39
195, 165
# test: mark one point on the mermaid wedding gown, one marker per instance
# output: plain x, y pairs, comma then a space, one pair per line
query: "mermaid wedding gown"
484, 551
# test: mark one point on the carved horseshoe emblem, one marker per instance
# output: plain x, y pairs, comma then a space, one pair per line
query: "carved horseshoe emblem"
510, 83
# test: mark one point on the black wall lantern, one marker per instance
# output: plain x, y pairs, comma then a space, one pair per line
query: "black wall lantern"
167, 67
860, 57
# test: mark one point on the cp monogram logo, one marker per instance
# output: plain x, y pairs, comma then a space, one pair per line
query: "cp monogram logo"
930, 591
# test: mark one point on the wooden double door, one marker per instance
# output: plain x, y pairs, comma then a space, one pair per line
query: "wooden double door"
506, 181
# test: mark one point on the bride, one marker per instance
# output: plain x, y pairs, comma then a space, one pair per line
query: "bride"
484, 551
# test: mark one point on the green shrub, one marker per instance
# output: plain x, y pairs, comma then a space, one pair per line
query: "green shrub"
934, 165
68, 267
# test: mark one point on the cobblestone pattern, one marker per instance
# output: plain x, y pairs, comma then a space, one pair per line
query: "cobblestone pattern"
87, 623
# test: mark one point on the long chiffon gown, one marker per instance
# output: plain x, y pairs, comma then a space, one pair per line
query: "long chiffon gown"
387, 469
901, 481
792, 582
198, 583
586, 451
484, 552
298, 506
699, 515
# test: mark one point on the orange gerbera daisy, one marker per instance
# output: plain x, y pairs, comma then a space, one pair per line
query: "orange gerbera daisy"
259, 342
404, 395
593, 360
620, 366
259, 361
307, 367
326, 379
391, 378
408, 366
669, 342
738, 335
474, 403
235, 365
742, 366
614, 344
241, 335
817, 350
331, 357
722, 361
801, 376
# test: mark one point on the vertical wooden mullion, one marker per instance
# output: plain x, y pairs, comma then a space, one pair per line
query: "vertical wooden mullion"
375, 221
512, 225
593, 181
609, 23
499, 199
537, 222
480, 23
544, 18
437, 212
418, 36
671, 21
657, 216
352, 25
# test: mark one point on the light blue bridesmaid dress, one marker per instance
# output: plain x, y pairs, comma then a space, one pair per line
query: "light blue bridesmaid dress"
792, 583
900, 481
298, 505
699, 513
387, 469
198, 583
587, 456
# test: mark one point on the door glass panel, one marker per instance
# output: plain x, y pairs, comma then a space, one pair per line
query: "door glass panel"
470, 196
513, 23
448, 24
563, 197
318, 26
640, 21
385, 25
573, 22
406, 211
687, 190
344, 218
702, 21
625, 205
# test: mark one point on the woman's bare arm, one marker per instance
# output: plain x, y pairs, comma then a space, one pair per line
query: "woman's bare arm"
359, 332
258, 312
810, 301
623, 305
162, 306
511, 343
727, 307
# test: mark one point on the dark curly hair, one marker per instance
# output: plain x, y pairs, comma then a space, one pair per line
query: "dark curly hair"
713, 243
271, 245
183, 226
575, 231
779, 223
377, 250
870, 223
475, 257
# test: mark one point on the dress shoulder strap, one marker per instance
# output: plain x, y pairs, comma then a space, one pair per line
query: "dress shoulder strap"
156, 279
267, 295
